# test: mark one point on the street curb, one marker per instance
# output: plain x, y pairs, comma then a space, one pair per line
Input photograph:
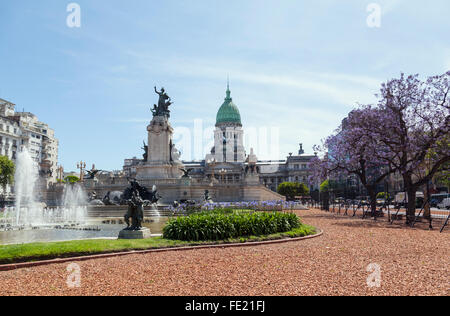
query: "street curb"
15, 266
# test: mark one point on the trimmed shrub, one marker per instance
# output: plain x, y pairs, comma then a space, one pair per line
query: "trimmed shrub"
221, 225
71, 179
292, 189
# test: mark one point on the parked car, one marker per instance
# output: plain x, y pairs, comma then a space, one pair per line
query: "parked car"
445, 205
438, 198
401, 199
363, 200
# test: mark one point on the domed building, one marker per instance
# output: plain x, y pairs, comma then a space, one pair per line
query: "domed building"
228, 172
228, 135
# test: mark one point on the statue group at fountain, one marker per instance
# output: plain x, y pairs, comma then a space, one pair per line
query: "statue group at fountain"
136, 197
135, 212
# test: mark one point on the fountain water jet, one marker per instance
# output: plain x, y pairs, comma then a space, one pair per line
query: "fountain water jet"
28, 212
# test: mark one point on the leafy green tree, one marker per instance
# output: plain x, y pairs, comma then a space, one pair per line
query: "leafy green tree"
302, 190
288, 189
71, 179
292, 189
325, 186
7, 169
383, 195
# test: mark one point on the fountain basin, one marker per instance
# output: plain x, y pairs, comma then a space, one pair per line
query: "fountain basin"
92, 229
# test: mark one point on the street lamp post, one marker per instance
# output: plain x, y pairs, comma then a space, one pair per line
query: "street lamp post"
60, 173
222, 173
212, 162
82, 166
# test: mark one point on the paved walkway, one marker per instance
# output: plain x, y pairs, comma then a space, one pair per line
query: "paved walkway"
412, 261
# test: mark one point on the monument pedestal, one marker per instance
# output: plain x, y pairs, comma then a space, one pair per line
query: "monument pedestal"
143, 233
157, 172
162, 156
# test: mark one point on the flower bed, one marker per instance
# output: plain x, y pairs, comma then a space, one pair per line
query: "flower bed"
222, 224
255, 206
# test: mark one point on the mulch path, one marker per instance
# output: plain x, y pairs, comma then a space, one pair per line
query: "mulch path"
412, 262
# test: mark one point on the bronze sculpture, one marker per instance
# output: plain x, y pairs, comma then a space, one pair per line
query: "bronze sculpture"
145, 154
91, 174
186, 173
163, 104
135, 212
207, 197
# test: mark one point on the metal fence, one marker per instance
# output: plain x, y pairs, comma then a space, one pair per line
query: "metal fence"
387, 212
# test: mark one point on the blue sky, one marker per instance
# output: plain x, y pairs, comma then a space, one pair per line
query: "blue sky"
296, 66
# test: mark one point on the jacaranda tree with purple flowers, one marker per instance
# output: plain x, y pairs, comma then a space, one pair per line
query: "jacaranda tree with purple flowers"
350, 151
414, 125
406, 132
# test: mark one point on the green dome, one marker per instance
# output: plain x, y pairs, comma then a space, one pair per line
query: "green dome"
228, 112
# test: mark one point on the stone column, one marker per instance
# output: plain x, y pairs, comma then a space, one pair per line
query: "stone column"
159, 165
159, 140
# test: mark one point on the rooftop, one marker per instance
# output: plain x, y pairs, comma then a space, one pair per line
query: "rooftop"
228, 112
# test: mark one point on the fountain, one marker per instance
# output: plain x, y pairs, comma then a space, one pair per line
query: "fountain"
28, 213
30, 220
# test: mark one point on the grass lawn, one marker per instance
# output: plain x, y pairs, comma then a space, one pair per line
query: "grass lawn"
44, 251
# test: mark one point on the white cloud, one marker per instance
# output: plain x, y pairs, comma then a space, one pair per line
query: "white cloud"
340, 88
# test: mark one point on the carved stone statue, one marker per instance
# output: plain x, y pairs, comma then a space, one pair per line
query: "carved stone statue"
92, 196
163, 104
94, 200
175, 154
252, 169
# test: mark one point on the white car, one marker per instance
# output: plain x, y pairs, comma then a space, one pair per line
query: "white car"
445, 205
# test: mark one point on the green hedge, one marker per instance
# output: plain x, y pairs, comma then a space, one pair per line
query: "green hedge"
219, 225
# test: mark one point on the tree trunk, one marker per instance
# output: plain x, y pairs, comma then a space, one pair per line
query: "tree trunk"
373, 201
326, 201
411, 190
411, 210
426, 209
